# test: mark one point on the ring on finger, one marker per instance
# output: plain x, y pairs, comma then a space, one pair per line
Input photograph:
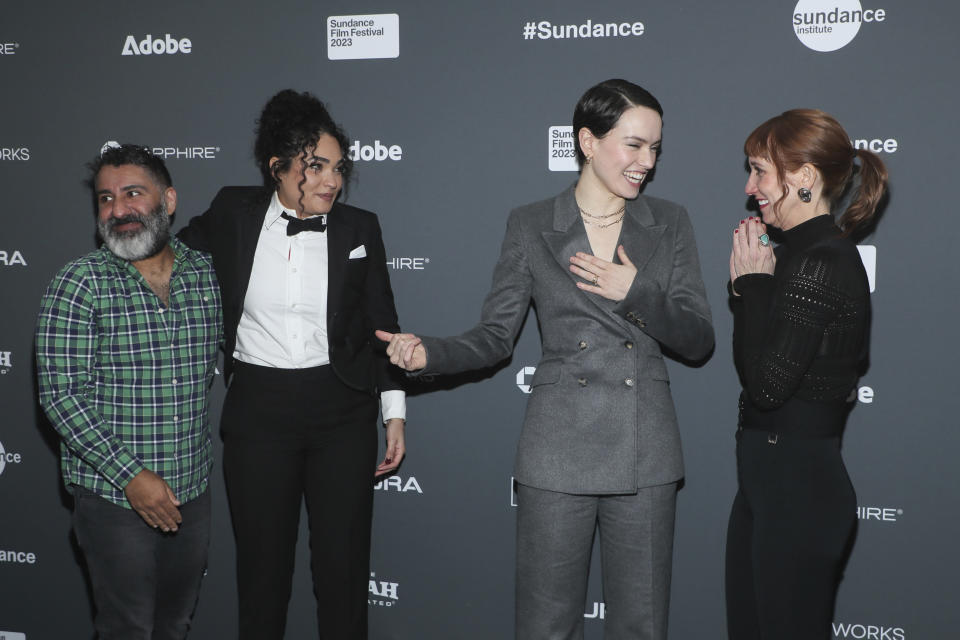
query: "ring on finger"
765, 240
596, 279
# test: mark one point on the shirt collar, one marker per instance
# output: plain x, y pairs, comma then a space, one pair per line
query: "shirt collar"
275, 210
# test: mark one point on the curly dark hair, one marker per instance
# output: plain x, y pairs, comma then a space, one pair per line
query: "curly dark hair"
134, 154
290, 125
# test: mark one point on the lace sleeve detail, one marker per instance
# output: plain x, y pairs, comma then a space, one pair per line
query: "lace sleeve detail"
780, 328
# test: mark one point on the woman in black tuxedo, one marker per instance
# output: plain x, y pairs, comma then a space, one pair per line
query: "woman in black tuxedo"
304, 284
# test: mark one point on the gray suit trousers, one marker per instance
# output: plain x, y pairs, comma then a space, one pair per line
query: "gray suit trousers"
554, 544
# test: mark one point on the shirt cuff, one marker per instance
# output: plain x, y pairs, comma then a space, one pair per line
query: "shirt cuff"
393, 404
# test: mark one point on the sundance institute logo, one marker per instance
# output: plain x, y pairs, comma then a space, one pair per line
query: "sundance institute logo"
828, 25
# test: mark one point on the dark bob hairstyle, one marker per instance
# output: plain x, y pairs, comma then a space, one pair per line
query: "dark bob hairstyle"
602, 105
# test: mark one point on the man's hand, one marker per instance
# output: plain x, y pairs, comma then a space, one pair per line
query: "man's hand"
154, 500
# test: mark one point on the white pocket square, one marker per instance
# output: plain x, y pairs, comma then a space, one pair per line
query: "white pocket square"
359, 252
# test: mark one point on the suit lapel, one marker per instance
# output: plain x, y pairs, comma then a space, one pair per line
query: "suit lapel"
340, 233
568, 235
251, 222
640, 236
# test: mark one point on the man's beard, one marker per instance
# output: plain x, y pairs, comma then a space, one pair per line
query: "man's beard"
139, 244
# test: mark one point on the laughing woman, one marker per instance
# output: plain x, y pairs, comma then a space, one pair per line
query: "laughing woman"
615, 279
801, 328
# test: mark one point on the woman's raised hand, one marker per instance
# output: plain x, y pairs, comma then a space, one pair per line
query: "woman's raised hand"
749, 254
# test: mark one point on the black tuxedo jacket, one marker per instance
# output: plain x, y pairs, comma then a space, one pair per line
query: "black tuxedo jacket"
359, 297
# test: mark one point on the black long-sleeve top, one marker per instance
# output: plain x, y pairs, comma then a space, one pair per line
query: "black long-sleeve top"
801, 335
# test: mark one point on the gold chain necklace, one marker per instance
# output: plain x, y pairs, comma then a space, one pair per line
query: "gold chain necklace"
609, 215
608, 224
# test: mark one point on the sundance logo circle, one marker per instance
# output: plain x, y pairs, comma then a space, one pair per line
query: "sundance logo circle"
828, 25
8, 458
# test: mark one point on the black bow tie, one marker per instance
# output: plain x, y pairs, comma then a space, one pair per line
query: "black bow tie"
296, 225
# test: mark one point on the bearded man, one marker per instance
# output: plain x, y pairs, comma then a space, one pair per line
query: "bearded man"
127, 342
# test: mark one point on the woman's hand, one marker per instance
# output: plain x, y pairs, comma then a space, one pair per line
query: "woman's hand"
396, 447
612, 281
404, 350
749, 255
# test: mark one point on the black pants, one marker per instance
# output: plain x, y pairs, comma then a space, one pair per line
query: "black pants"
145, 582
291, 435
789, 530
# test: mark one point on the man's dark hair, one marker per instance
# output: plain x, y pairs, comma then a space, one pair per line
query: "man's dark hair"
131, 154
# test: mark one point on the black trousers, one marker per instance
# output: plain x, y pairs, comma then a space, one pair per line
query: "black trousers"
294, 435
145, 582
789, 530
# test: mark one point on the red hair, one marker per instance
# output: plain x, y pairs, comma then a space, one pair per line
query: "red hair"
801, 136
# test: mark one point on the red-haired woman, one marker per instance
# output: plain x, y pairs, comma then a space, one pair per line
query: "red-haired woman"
801, 335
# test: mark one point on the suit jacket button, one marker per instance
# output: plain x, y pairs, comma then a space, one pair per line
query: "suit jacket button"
628, 382
582, 381
631, 315
641, 324
582, 345
628, 344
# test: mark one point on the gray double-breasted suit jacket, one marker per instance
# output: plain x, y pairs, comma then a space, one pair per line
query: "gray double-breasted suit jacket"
600, 417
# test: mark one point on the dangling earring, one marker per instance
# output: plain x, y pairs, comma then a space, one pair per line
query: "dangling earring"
804, 194
589, 159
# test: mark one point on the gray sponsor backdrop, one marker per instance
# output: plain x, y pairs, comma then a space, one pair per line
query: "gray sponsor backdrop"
451, 106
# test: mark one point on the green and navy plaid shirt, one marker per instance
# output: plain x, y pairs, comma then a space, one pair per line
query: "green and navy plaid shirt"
125, 380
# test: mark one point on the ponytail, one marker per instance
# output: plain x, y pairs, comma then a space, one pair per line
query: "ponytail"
873, 185
802, 136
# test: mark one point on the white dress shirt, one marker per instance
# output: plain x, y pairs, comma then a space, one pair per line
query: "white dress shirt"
284, 320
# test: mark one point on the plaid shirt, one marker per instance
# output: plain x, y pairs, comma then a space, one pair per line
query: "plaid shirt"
125, 380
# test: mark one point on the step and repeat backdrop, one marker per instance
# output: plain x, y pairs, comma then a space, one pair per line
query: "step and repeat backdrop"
458, 112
